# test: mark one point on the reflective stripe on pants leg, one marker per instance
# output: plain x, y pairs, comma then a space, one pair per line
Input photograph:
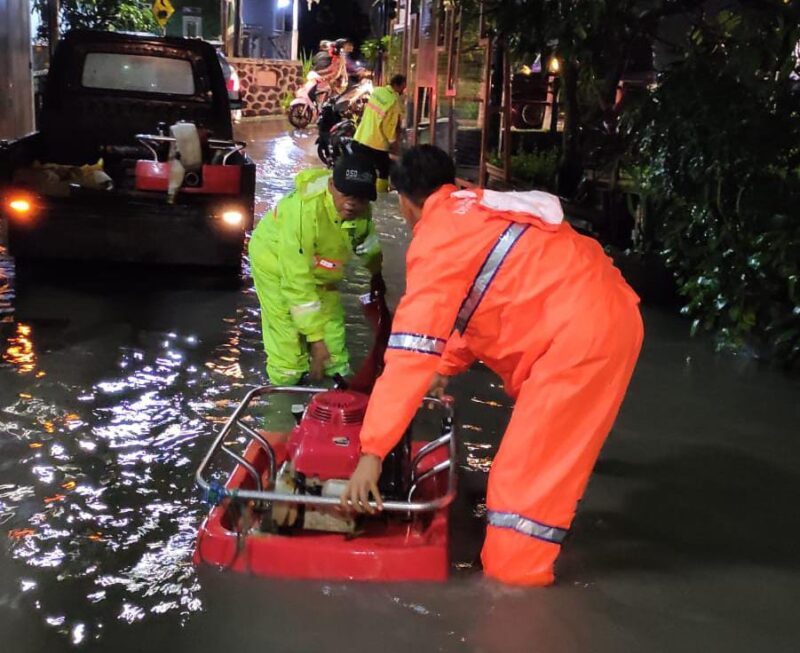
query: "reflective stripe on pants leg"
526, 526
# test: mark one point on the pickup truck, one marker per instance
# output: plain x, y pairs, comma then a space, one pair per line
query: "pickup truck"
103, 180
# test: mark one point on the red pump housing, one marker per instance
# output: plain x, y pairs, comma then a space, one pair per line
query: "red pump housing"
326, 443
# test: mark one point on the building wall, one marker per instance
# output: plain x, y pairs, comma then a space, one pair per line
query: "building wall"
209, 12
265, 82
258, 21
271, 22
16, 88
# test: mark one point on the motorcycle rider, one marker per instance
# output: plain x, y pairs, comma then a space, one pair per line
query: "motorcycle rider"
379, 126
329, 65
322, 58
355, 70
298, 254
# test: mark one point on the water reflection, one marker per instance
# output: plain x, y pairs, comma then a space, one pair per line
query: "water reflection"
108, 507
19, 352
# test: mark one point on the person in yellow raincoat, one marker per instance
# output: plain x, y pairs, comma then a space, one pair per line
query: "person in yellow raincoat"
298, 254
377, 130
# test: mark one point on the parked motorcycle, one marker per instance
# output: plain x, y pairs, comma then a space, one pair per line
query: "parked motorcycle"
304, 109
335, 131
356, 97
338, 118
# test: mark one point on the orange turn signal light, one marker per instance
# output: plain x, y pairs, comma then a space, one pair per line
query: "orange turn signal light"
20, 206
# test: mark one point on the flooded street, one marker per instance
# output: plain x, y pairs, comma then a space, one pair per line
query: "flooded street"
111, 389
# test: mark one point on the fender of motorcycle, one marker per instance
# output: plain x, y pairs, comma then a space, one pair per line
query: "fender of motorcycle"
345, 126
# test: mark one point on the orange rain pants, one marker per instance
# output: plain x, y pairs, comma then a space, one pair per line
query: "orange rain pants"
500, 277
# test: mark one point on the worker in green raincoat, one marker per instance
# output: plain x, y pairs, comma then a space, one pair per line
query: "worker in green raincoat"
298, 254
379, 126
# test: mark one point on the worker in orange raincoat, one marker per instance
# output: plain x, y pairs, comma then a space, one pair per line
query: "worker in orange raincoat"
502, 278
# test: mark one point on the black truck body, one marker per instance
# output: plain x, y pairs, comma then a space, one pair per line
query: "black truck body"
106, 93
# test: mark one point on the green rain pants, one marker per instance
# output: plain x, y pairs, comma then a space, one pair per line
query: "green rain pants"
286, 347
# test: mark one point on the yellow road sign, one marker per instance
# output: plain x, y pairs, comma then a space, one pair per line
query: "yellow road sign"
163, 10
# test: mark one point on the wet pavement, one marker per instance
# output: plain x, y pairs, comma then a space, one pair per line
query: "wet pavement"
111, 387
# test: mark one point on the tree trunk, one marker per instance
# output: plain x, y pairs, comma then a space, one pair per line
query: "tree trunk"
51, 15
571, 167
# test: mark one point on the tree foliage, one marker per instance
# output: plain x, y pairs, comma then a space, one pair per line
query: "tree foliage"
595, 40
717, 145
714, 146
114, 15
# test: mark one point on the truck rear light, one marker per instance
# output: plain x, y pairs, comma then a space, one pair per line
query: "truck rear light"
20, 206
232, 217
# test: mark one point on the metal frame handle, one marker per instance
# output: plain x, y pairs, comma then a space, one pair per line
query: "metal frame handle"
213, 143
448, 438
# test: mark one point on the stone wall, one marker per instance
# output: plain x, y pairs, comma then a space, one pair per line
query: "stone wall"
264, 83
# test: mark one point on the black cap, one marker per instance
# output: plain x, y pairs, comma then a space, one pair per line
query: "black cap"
355, 176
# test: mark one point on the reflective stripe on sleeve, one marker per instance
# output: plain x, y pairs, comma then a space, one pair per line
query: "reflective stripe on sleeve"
486, 275
305, 309
417, 342
526, 526
377, 109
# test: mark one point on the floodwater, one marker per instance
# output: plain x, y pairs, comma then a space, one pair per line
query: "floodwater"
112, 387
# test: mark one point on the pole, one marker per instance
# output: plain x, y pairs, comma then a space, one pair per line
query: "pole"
53, 7
487, 113
506, 112
237, 29
295, 29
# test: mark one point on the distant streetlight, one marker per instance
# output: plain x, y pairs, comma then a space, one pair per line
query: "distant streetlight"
284, 4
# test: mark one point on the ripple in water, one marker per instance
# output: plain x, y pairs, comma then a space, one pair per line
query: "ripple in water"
104, 503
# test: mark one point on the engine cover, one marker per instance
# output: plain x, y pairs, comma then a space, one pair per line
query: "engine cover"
325, 444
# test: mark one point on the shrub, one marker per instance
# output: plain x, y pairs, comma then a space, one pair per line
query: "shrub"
717, 147
538, 167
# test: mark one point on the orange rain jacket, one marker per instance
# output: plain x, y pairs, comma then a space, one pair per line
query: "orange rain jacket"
502, 278
551, 280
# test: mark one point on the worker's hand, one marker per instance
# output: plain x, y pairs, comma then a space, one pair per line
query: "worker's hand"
362, 483
319, 356
438, 385
377, 286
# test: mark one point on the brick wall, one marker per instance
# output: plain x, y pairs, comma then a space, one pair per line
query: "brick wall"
264, 82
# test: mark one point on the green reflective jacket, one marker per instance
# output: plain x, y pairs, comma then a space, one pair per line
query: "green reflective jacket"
304, 244
378, 126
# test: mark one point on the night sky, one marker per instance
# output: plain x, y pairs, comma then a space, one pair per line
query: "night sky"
332, 19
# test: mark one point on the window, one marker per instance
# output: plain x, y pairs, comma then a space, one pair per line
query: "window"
283, 21
193, 27
140, 73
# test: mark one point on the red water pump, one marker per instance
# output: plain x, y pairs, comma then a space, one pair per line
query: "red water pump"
322, 453
325, 444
